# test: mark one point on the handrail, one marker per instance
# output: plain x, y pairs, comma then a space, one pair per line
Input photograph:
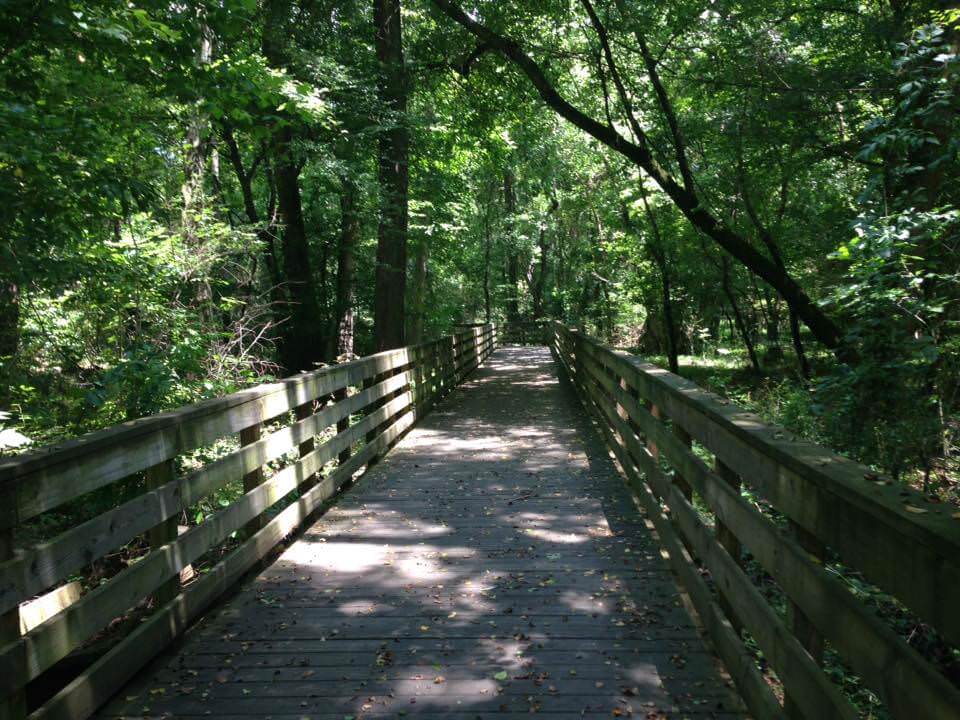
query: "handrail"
833, 506
538, 331
335, 421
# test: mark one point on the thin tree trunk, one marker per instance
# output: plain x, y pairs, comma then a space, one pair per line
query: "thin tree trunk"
391, 274
9, 334
737, 315
513, 257
196, 149
346, 264
486, 267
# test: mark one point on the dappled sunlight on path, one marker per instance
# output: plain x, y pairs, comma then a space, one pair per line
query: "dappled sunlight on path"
492, 565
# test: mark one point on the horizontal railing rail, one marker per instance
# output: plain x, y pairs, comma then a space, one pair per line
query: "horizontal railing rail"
295, 444
526, 332
829, 509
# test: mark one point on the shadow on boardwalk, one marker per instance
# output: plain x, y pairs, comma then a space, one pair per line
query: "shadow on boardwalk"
492, 565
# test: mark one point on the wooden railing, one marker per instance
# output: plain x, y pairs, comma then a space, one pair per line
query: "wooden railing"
828, 510
312, 433
526, 332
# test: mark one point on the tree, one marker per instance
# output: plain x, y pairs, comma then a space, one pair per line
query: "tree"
391, 277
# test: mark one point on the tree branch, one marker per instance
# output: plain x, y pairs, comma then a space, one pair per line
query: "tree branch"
639, 153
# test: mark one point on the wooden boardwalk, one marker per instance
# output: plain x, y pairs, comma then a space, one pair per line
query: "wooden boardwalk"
492, 565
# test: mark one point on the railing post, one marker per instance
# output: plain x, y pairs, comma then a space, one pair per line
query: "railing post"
682, 485
651, 445
302, 412
166, 531
14, 706
728, 540
798, 622
253, 478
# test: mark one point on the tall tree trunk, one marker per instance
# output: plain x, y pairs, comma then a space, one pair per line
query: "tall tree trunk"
540, 281
513, 256
486, 267
346, 263
419, 291
302, 342
196, 150
394, 142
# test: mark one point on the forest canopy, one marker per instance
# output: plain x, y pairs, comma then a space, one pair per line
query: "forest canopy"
762, 196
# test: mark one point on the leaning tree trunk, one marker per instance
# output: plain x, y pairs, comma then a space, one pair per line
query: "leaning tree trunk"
683, 194
394, 142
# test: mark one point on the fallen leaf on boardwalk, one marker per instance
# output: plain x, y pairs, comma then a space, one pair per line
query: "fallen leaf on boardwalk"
500, 675
915, 509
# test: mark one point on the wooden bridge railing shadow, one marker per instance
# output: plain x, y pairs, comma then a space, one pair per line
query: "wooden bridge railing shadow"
826, 510
314, 432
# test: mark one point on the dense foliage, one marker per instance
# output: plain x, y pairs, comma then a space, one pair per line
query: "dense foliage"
198, 196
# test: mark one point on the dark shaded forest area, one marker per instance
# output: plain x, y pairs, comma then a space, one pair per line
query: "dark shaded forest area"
762, 196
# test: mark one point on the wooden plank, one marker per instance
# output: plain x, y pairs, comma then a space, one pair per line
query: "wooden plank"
61, 472
49, 477
92, 688
886, 663
739, 663
13, 702
817, 697
41, 609
160, 534
24, 659
727, 538
41, 567
801, 625
254, 478
305, 447
914, 556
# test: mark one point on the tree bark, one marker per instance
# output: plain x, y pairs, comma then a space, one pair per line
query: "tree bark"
346, 265
738, 320
419, 291
196, 149
513, 257
486, 265
302, 343
640, 153
394, 142
9, 333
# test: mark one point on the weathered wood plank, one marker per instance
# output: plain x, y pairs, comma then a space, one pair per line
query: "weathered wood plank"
91, 689
739, 663
914, 556
42, 566
160, 534
898, 673
26, 658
